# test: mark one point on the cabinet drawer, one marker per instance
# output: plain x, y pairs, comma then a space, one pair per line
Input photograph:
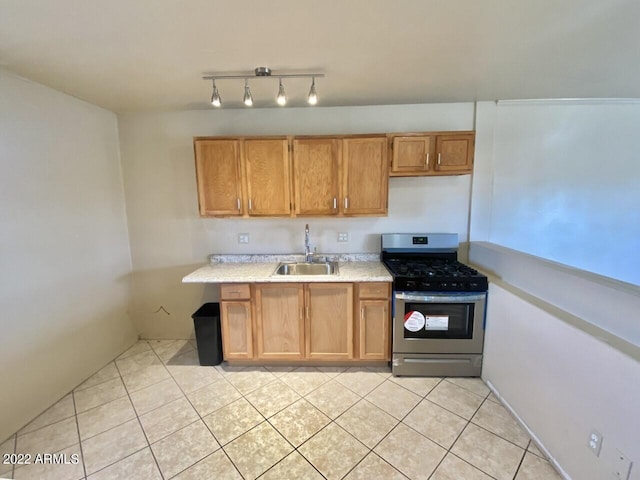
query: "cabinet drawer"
374, 290
234, 291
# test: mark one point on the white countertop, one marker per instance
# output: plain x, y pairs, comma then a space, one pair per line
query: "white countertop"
261, 268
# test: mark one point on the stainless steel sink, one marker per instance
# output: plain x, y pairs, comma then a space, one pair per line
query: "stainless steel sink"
324, 268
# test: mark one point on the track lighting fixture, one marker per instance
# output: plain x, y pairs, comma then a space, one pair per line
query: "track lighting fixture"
248, 99
281, 99
216, 101
258, 73
313, 95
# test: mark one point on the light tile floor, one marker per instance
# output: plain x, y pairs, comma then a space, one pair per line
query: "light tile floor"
154, 413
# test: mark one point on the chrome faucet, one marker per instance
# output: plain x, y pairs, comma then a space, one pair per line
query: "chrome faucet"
308, 256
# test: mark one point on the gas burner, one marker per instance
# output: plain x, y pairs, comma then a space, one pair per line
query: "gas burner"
432, 271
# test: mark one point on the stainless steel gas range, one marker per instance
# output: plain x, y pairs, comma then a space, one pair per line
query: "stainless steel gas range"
439, 306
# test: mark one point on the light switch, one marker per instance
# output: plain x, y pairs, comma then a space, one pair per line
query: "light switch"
343, 236
243, 238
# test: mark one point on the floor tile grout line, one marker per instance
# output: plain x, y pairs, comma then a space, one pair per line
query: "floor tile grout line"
101, 405
301, 397
485, 396
201, 418
99, 383
494, 433
401, 421
75, 410
138, 418
469, 422
471, 464
45, 426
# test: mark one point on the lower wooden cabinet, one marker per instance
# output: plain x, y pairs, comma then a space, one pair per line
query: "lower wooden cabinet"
236, 321
237, 338
329, 321
373, 321
306, 321
279, 321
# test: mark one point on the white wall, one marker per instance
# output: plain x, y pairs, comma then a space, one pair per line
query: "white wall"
169, 239
565, 182
563, 383
64, 247
556, 182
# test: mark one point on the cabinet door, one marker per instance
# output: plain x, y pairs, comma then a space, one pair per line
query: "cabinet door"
219, 177
316, 176
365, 177
237, 340
329, 320
374, 325
280, 321
268, 178
455, 153
412, 155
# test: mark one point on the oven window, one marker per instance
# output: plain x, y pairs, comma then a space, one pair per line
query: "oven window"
438, 320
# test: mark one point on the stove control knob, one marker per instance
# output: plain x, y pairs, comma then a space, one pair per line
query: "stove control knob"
411, 284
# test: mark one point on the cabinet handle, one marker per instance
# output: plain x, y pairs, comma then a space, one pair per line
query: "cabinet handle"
250, 207
362, 313
335, 203
426, 164
346, 203
238, 203
301, 313
438, 159
307, 310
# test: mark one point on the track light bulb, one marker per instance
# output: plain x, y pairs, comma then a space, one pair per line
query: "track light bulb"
281, 98
313, 95
216, 101
248, 99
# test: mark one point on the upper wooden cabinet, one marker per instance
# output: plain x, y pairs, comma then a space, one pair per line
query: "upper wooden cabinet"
267, 174
455, 153
243, 177
316, 176
412, 154
420, 154
342, 175
219, 177
365, 184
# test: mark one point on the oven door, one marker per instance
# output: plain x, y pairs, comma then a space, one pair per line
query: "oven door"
439, 322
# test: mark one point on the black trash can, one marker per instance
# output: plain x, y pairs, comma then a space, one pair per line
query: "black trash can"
206, 321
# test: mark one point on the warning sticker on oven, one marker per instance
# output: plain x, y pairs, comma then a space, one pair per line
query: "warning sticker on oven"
414, 321
436, 322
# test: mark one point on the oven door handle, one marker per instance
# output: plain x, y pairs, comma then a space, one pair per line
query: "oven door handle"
440, 297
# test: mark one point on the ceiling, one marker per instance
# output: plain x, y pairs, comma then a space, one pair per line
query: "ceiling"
140, 55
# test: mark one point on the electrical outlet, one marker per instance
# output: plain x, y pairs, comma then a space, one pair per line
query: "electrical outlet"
621, 466
595, 442
243, 238
343, 236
